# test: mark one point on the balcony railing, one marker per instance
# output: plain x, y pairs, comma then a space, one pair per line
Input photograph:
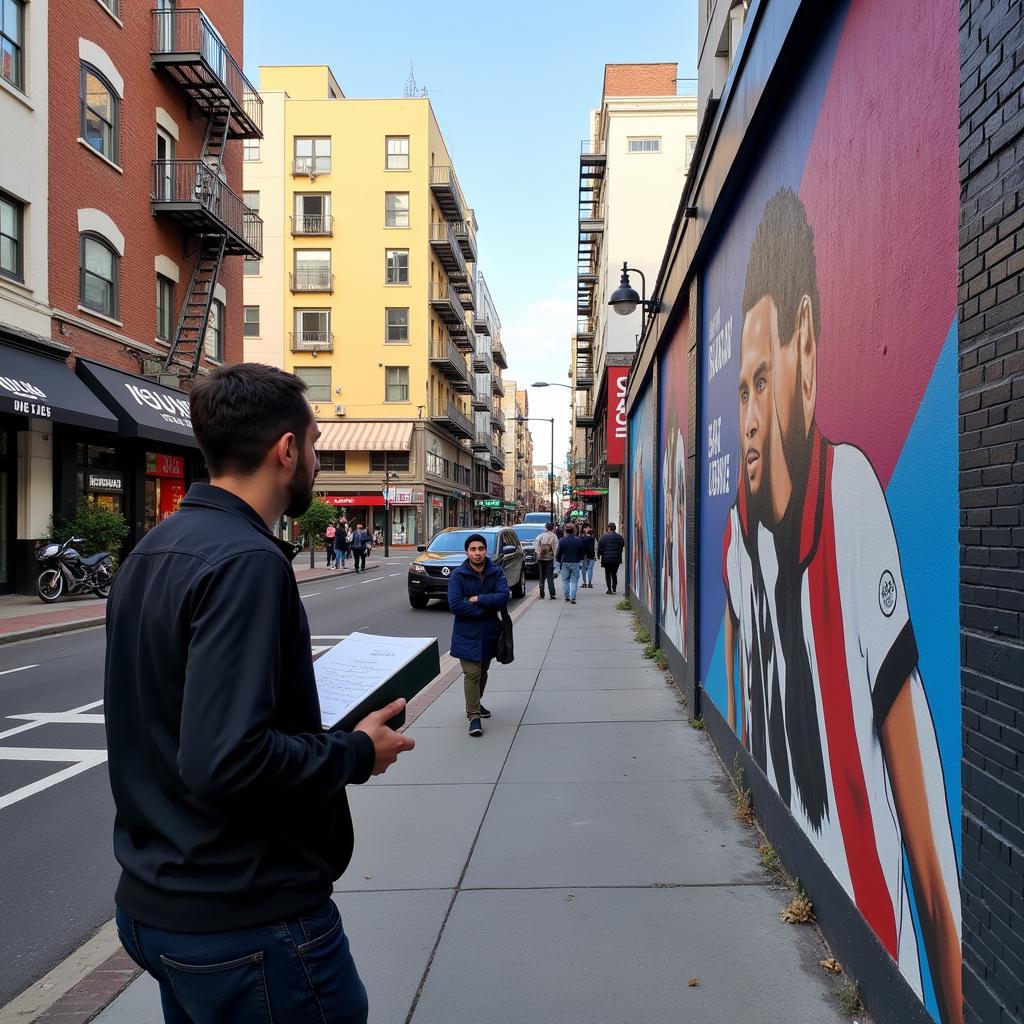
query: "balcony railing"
444, 300
311, 280
585, 328
445, 187
591, 216
445, 244
312, 224
482, 322
314, 166
192, 192
482, 441
450, 361
452, 418
498, 419
188, 48
466, 235
497, 458
482, 362
592, 147
312, 341
584, 410
498, 352
482, 399
498, 385
584, 373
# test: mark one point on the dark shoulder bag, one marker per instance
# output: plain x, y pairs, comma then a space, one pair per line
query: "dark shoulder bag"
505, 651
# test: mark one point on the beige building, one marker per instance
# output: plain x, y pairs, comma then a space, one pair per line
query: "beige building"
518, 476
369, 290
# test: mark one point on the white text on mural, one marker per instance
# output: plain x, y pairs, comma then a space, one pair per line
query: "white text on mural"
720, 346
718, 464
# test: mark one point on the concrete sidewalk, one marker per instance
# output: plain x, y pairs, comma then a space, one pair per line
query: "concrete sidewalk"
23, 617
578, 863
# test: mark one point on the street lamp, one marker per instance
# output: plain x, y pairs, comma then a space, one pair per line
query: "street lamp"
551, 467
625, 299
386, 489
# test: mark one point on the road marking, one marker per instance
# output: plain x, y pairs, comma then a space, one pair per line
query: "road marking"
82, 760
376, 579
316, 593
22, 668
326, 636
393, 574
60, 717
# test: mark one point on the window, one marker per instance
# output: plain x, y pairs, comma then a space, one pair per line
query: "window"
252, 201
213, 341
648, 145
251, 149
390, 462
113, 6
100, 113
165, 176
332, 462
313, 330
396, 210
98, 276
251, 321
397, 325
312, 270
12, 30
396, 383
434, 464
397, 266
312, 156
250, 267
691, 148
397, 153
11, 221
317, 380
312, 213
164, 307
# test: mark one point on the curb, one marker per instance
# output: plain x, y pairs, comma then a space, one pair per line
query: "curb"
79, 987
35, 632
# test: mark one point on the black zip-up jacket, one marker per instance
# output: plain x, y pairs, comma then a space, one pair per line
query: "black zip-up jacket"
610, 547
230, 797
570, 549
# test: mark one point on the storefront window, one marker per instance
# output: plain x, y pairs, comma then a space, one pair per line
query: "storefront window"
165, 486
98, 478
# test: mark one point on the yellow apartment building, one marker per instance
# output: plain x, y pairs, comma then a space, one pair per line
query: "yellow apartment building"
367, 290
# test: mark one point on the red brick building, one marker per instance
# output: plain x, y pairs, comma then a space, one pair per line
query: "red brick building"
146, 226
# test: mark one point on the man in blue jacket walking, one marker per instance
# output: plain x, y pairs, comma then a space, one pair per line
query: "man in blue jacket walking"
570, 554
476, 592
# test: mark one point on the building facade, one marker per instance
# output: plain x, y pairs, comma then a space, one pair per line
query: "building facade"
368, 290
632, 167
120, 221
518, 451
793, 520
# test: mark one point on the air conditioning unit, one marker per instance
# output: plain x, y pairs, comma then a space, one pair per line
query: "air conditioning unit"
339, 410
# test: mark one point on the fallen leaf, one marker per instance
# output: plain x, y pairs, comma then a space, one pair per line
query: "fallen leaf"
693, 982
832, 965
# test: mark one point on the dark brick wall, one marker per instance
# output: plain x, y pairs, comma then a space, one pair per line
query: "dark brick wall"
991, 498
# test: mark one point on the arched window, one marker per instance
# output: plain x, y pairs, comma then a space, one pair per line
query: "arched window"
100, 114
99, 275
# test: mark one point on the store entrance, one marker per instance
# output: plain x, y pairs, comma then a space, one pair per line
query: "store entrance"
8, 470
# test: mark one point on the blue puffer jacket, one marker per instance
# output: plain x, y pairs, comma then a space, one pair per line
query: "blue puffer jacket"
476, 628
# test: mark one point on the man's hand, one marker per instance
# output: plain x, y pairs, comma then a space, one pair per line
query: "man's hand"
387, 744
472, 600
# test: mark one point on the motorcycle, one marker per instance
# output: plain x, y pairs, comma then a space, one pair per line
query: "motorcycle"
66, 571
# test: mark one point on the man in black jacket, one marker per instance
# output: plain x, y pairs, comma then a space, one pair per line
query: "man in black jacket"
231, 818
569, 555
609, 551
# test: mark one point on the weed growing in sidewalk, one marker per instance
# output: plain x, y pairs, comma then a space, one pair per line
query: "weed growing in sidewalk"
698, 722
741, 798
661, 660
624, 605
849, 999
641, 634
770, 860
651, 650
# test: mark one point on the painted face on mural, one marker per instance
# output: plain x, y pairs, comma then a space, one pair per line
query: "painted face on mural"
756, 403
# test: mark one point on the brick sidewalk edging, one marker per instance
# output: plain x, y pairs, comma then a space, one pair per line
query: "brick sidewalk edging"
103, 984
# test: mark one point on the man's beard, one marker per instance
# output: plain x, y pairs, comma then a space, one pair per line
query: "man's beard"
300, 493
758, 505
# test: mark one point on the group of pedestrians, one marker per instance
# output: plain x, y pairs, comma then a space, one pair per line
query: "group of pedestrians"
342, 542
563, 552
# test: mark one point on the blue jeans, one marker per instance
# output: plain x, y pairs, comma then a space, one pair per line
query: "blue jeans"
570, 578
587, 570
291, 971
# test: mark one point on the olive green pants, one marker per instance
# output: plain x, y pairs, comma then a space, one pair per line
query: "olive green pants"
474, 682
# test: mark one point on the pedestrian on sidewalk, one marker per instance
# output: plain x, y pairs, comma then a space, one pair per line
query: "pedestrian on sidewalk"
544, 546
609, 551
570, 555
342, 543
329, 535
476, 592
559, 534
361, 544
587, 565
232, 822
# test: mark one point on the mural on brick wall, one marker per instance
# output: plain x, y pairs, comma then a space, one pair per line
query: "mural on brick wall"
642, 533
673, 423
828, 485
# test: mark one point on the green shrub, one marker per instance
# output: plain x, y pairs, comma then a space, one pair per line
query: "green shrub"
624, 605
99, 527
315, 520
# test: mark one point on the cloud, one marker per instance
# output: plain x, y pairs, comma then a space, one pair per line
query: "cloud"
538, 340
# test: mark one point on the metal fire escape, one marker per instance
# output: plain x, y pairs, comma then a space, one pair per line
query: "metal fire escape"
195, 192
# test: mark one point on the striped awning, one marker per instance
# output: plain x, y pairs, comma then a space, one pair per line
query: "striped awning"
365, 437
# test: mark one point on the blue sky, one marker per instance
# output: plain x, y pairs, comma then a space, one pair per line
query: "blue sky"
511, 85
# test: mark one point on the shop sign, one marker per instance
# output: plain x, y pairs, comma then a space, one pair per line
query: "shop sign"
593, 492
578, 514
404, 496
615, 438
509, 506
489, 503
353, 500
437, 502
165, 465
29, 398
106, 482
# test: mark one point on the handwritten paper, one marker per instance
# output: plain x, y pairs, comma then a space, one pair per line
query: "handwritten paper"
353, 669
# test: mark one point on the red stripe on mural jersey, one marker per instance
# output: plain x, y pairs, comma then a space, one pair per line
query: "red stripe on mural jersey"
870, 892
725, 552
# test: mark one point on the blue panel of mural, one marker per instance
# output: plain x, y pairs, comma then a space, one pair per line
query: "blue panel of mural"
642, 534
828, 611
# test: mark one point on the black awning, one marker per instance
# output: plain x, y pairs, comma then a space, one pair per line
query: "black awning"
44, 387
143, 409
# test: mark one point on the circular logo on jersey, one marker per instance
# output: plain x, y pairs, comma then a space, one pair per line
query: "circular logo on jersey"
887, 594
446, 571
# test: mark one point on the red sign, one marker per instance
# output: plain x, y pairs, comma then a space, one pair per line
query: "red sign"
353, 500
165, 465
615, 440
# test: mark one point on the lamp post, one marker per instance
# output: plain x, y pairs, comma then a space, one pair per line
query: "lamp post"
386, 488
551, 467
625, 299
552, 384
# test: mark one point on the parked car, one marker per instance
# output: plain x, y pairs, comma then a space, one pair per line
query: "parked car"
527, 534
432, 568
537, 517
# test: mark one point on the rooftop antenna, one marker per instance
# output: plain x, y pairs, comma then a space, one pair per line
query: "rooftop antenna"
412, 90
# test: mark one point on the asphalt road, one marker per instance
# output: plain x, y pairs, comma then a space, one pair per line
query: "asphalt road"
58, 871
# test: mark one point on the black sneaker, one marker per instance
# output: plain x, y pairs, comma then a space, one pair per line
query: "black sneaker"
574, 600
567, 599
542, 595
475, 728
484, 713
